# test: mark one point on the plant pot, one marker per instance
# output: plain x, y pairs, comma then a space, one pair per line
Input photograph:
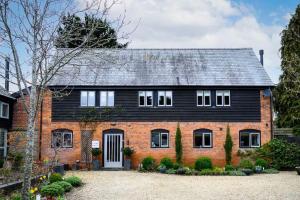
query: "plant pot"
258, 169
298, 170
59, 168
96, 165
127, 164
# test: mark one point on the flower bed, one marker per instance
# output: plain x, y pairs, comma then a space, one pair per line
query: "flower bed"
203, 167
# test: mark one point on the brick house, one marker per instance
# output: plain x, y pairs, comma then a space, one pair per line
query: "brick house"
138, 97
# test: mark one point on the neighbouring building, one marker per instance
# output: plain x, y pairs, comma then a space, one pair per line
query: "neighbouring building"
138, 97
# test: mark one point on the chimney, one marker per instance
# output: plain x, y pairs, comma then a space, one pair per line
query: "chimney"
261, 54
7, 73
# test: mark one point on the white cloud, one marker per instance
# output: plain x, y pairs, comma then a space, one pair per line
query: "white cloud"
201, 24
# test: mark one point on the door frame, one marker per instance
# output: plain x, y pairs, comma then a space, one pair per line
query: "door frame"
112, 131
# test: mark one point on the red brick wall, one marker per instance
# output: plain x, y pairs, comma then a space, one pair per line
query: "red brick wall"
138, 135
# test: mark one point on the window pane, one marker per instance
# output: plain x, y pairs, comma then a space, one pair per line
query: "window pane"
5, 110
67, 139
91, 98
103, 97
226, 98
245, 142
111, 98
83, 98
219, 101
200, 98
142, 98
149, 98
57, 139
207, 98
169, 98
207, 139
155, 140
161, 98
198, 140
255, 139
164, 139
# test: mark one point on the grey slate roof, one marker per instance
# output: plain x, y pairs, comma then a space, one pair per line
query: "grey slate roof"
3, 92
164, 67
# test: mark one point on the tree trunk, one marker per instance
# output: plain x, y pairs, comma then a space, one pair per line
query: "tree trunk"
29, 145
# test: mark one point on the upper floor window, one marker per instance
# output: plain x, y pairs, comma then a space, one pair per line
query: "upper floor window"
4, 110
249, 138
159, 138
223, 97
165, 98
145, 98
203, 98
107, 98
202, 138
87, 98
62, 138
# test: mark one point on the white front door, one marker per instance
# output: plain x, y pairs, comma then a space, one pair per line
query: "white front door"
113, 145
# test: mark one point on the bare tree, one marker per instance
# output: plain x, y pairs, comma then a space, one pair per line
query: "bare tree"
28, 29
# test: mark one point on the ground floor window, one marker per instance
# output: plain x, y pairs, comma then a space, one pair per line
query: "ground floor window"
160, 138
62, 138
202, 138
3, 143
249, 138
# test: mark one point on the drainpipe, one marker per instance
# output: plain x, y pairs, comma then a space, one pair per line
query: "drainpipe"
40, 131
271, 110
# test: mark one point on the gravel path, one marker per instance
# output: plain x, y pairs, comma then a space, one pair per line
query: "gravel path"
132, 185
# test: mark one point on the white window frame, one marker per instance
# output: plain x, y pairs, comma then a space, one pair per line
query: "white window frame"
203, 140
62, 135
160, 139
5, 142
165, 98
87, 99
145, 95
250, 139
223, 97
106, 101
1, 108
203, 95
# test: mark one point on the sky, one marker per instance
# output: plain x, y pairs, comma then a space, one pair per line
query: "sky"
206, 24
211, 24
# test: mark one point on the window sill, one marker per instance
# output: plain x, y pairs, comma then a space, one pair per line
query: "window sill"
202, 147
160, 147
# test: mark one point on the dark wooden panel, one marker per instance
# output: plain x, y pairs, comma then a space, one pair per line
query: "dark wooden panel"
245, 106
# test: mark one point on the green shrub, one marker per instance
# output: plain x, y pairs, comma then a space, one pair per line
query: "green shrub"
261, 162
66, 185
176, 166
178, 145
270, 171
17, 160
52, 190
236, 173
229, 168
16, 196
213, 172
167, 162
280, 154
162, 168
74, 181
228, 146
183, 171
55, 177
246, 164
148, 163
96, 152
203, 163
171, 171
128, 151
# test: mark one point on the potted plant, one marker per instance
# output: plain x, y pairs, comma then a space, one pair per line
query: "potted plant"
298, 170
128, 151
96, 164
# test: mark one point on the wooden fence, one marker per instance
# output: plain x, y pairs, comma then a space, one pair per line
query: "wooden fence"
286, 134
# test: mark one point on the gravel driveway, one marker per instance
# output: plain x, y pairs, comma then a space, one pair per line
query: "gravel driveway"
132, 185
